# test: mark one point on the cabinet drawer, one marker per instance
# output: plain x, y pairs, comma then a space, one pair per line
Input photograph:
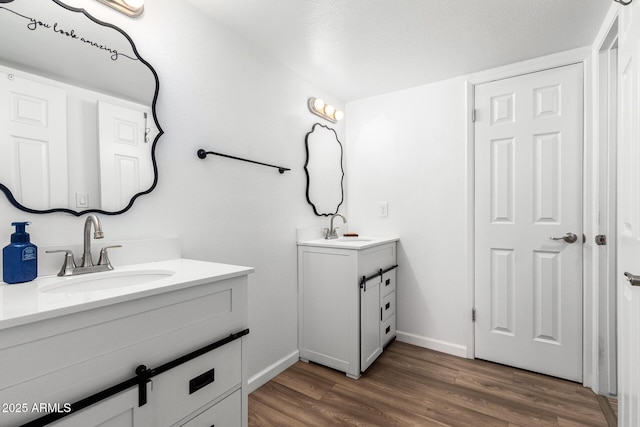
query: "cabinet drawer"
388, 329
388, 305
373, 259
188, 387
388, 283
226, 413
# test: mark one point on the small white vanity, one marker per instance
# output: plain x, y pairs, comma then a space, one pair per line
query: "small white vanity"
347, 301
63, 339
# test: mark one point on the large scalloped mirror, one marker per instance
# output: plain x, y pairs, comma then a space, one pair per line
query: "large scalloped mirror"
78, 127
325, 174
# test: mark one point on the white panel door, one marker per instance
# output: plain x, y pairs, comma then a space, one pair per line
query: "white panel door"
629, 218
125, 166
528, 189
33, 142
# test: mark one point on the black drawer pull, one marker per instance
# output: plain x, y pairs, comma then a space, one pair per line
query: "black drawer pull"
387, 306
388, 330
202, 380
388, 282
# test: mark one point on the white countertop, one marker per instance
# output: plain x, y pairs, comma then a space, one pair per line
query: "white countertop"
360, 242
24, 303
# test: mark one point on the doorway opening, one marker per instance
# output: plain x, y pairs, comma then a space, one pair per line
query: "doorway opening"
607, 119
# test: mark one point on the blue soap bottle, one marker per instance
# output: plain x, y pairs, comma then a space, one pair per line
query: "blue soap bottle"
20, 258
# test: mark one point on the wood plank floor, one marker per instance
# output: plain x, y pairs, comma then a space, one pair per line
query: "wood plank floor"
413, 386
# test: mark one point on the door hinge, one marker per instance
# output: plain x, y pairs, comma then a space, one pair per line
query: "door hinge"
473, 115
473, 314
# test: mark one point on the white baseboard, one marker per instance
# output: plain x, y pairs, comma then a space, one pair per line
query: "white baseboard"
262, 377
432, 344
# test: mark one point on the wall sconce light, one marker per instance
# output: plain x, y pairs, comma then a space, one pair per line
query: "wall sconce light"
132, 8
327, 112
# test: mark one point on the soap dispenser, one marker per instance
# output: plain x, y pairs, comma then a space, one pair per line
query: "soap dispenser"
20, 257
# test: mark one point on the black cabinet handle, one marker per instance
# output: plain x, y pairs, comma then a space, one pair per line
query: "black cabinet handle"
387, 306
388, 330
388, 282
202, 380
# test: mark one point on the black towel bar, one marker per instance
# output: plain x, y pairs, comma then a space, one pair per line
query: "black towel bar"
203, 154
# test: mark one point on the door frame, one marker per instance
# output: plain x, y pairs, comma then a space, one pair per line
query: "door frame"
586, 57
605, 87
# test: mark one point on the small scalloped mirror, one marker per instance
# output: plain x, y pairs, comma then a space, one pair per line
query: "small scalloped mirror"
325, 174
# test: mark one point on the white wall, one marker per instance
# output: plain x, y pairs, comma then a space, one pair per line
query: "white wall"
216, 93
408, 148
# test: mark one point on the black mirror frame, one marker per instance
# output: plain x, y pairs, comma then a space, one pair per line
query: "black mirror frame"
18, 205
306, 170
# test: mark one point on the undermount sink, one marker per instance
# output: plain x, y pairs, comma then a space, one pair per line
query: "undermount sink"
102, 281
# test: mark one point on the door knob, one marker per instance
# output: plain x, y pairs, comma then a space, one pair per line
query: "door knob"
633, 279
569, 238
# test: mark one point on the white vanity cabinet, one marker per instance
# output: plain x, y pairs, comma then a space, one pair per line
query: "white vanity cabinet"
61, 356
343, 321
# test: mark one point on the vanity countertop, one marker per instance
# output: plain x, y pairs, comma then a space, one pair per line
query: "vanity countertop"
360, 242
42, 299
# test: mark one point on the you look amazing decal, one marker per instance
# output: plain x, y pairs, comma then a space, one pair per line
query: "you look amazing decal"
34, 24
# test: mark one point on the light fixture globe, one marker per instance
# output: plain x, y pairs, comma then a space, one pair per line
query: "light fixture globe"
318, 104
329, 110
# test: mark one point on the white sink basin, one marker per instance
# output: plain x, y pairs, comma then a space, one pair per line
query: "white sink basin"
102, 281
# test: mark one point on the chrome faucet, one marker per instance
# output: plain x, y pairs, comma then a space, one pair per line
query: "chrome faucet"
331, 233
87, 261
69, 267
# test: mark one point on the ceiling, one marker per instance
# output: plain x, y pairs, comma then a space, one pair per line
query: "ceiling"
360, 48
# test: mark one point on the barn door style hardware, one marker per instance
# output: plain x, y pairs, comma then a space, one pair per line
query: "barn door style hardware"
365, 279
142, 378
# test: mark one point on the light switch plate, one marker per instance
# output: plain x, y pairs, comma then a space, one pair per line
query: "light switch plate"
383, 209
82, 200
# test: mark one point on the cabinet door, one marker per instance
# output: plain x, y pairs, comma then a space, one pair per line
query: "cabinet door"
370, 313
120, 410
